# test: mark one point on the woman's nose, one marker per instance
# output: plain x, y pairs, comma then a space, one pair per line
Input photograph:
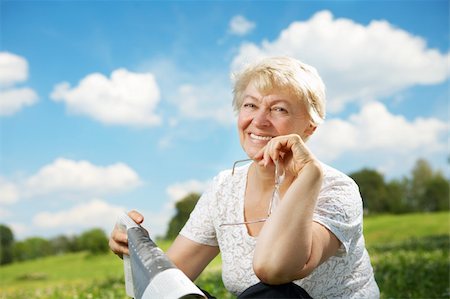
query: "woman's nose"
261, 118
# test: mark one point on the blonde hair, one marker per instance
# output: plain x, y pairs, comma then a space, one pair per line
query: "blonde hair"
299, 79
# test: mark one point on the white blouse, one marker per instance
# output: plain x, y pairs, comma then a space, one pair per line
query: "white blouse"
348, 274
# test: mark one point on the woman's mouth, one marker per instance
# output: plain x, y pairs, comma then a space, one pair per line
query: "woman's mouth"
259, 137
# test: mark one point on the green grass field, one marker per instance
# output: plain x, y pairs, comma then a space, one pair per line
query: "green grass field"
410, 254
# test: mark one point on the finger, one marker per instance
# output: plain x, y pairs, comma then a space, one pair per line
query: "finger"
274, 150
119, 236
266, 156
136, 216
259, 155
118, 248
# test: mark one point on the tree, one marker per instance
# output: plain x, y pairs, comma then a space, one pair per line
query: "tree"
421, 173
32, 248
6, 243
184, 208
94, 241
429, 189
63, 244
396, 196
435, 195
373, 190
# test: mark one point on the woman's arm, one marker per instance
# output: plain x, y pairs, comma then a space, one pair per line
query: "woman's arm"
290, 245
191, 257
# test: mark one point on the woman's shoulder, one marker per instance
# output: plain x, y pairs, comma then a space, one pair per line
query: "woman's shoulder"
230, 175
335, 177
228, 178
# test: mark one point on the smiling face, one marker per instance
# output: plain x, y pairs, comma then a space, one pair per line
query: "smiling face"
264, 116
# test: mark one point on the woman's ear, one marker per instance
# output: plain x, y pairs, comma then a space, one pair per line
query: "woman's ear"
310, 130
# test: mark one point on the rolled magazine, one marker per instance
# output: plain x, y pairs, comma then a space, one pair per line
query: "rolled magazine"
149, 273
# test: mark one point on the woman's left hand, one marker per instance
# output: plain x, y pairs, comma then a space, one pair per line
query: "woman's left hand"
288, 149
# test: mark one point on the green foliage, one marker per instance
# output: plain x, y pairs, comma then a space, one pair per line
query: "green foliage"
184, 208
31, 248
6, 243
94, 241
435, 196
428, 190
64, 244
425, 191
415, 268
373, 189
395, 197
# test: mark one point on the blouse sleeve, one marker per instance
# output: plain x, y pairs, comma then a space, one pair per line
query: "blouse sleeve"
199, 227
339, 209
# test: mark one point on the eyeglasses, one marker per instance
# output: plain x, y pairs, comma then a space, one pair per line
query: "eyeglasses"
279, 178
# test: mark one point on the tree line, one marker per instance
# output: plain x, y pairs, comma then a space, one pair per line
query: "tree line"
94, 241
424, 190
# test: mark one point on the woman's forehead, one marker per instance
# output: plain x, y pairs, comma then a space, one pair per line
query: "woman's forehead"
269, 93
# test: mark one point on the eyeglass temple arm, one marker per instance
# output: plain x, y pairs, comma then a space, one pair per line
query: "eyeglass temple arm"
237, 162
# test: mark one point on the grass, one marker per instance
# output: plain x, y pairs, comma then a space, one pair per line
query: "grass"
56, 272
410, 254
395, 228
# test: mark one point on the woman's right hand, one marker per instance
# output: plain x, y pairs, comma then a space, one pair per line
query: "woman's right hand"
118, 242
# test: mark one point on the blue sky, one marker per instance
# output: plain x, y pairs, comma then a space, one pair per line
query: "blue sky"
108, 106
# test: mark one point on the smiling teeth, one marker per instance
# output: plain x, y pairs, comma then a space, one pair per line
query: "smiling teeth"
265, 138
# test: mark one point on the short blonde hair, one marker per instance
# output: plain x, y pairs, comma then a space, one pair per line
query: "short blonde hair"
299, 79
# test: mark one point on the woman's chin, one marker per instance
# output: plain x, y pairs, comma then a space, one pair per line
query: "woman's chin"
251, 152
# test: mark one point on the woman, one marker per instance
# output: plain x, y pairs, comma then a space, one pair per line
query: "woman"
286, 224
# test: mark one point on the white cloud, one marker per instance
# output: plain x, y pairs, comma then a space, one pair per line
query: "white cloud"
69, 179
126, 98
14, 99
208, 101
74, 177
14, 70
4, 213
9, 192
357, 62
179, 190
375, 130
95, 213
205, 95
239, 25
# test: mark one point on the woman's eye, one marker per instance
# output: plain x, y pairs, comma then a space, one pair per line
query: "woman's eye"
249, 105
279, 109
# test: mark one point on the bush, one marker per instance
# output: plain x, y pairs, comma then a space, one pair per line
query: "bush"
416, 268
94, 241
6, 243
31, 248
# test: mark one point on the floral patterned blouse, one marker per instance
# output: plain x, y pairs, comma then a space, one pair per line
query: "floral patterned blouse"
348, 274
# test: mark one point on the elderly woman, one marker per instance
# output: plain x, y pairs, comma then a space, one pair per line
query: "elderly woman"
287, 225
